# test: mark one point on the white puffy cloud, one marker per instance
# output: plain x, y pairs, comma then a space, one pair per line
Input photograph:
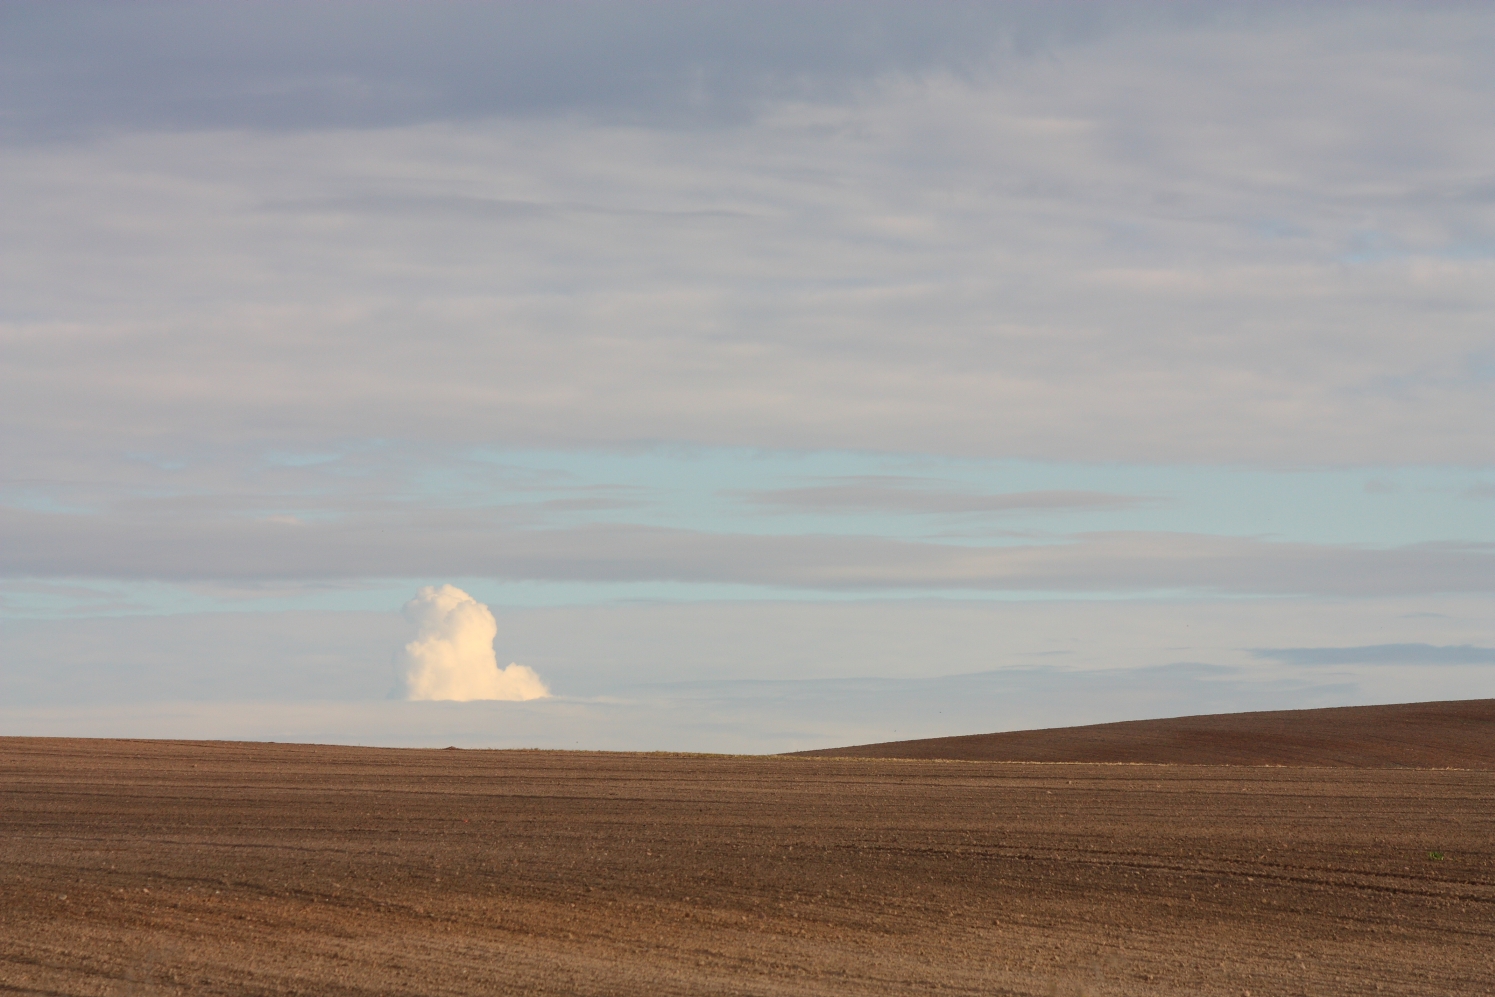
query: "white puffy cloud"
452, 654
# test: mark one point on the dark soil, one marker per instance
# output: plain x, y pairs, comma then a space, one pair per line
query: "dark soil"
1457, 734
246, 869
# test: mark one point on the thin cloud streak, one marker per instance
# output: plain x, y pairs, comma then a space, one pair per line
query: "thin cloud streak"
872, 494
50, 545
1381, 654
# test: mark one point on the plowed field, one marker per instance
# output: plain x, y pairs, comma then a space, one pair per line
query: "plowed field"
222, 868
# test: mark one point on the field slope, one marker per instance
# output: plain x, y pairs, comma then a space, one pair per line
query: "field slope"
1456, 734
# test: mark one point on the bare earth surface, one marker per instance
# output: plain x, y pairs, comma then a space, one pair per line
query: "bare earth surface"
136, 867
1457, 734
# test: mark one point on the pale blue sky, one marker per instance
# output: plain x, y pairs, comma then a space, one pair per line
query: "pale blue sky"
774, 493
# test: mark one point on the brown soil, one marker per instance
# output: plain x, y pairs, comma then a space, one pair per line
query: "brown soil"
1457, 734
222, 868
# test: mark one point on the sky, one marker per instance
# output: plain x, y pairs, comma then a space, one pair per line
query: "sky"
777, 375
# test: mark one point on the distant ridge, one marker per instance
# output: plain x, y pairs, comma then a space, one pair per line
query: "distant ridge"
1453, 734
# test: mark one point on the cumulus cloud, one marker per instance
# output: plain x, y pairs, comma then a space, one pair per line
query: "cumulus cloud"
452, 654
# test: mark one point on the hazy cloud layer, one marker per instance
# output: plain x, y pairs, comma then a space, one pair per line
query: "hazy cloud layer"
1382, 654
726, 676
725, 716
759, 716
606, 650
1264, 238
